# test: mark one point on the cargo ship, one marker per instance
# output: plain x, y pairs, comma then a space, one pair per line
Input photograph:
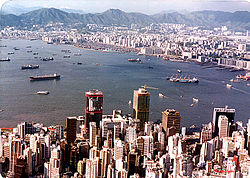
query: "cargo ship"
66, 56
4, 59
42, 92
183, 80
48, 59
134, 60
45, 77
30, 67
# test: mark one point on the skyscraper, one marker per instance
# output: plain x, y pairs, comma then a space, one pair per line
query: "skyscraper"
229, 113
141, 102
92, 134
93, 107
223, 126
171, 119
71, 123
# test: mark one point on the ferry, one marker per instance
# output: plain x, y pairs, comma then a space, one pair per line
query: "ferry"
45, 77
42, 92
134, 60
4, 59
48, 59
30, 67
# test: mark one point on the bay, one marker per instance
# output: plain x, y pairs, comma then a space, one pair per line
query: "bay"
116, 77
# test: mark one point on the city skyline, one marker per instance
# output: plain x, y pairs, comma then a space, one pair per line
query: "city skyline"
143, 6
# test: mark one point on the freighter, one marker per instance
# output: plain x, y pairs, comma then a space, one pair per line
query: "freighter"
5, 59
48, 59
45, 77
30, 67
134, 60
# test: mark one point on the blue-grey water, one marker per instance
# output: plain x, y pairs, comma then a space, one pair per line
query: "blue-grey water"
116, 77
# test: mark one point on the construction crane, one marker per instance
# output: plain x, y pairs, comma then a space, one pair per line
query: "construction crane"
145, 86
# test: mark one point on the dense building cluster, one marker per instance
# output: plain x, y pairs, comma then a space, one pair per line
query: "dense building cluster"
171, 41
121, 146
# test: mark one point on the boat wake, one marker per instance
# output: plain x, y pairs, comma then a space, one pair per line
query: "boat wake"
242, 91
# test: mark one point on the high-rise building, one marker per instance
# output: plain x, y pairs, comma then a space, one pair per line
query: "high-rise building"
71, 123
171, 119
59, 132
141, 102
223, 126
229, 113
93, 107
118, 149
92, 134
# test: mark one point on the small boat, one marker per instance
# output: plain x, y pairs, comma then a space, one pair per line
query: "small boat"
79, 63
195, 100
161, 95
240, 76
248, 84
42, 92
179, 71
191, 105
3, 46
194, 80
77, 54
35, 53
129, 102
65, 51
66, 56
30, 67
97, 64
28, 46
232, 80
229, 86
4, 59
150, 67
29, 51
11, 52
15, 48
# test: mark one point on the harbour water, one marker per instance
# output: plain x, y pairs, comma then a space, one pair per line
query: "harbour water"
116, 77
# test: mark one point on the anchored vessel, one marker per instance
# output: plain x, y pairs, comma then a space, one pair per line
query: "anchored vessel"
30, 67
182, 79
48, 59
42, 92
45, 77
4, 59
134, 60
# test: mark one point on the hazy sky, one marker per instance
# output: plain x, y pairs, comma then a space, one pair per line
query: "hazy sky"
144, 6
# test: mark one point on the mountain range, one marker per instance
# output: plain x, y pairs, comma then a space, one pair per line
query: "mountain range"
239, 20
